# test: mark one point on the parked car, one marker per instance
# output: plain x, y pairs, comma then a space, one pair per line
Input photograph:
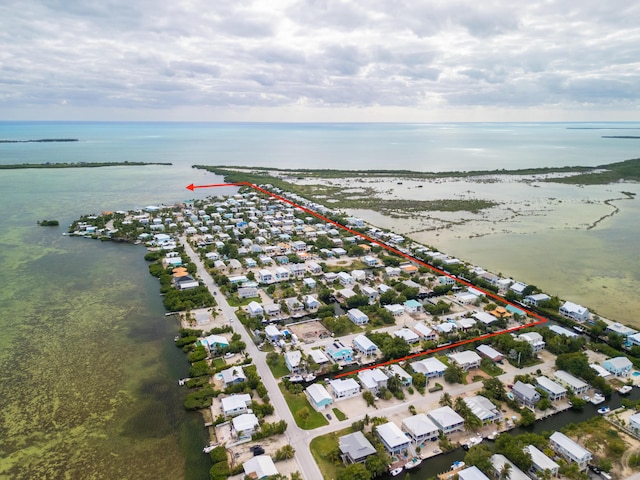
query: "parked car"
328, 416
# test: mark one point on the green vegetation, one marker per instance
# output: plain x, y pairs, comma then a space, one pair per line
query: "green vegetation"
303, 413
277, 364
326, 453
339, 414
48, 223
220, 468
490, 368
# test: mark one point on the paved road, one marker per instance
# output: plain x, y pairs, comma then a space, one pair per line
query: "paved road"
297, 437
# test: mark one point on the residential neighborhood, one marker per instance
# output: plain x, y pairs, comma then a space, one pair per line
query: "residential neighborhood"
309, 327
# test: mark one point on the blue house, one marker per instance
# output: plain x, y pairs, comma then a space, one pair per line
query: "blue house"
619, 366
364, 345
338, 351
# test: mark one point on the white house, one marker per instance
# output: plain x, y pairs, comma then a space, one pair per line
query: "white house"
540, 462
372, 380
447, 420
570, 450
293, 359
345, 279
537, 299
357, 317
634, 423
282, 274
365, 346
489, 352
260, 467
233, 375
427, 333
265, 276
369, 292
272, 333
471, 473
318, 396
498, 461
574, 311
518, 287
534, 339
484, 409
318, 356
235, 404
413, 306
554, 390
244, 426
420, 428
407, 335
395, 370
393, 439
467, 359
431, 367
485, 318
395, 309
344, 388
310, 303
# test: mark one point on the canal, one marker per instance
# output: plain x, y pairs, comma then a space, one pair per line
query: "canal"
442, 463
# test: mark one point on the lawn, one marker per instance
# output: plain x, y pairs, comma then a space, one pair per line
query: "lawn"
218, 362
235, 301
323, 448
491, 368
279, 369
339, 415
300, 407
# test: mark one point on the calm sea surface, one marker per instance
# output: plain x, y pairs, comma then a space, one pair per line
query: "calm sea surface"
87, 364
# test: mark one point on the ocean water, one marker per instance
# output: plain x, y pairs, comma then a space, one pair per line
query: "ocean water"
87, 363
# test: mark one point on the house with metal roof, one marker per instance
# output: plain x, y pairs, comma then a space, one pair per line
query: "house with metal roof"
357, 317
293, 360
562, 331
365, 346
427, 333
570, 450
355, 448
471, 473
338, 351
537, 299
396, 370
618, 366
373, 379
569, 381
484, 409
431, 367
407, 335
574, 311
245, 425
260, 467
318, 356
344, 388
413, 306
541, 463
467, 359
534, 339
485, 318
525, 393
393, 439
233, 375
420, 428
318, 396
554, 390
498, 461
235, 404
446, 419
489, 352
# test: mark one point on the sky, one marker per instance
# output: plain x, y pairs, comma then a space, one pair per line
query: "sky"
320, 60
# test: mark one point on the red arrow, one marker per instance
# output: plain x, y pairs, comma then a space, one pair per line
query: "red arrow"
192, 187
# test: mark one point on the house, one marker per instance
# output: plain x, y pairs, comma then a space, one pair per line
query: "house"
395, 309
265, 276
357, 317
272, 333
420, 428
245, 425
489, 352
518, 288
393, 439
214, 342
620, 329
235, 404
554, 390
298, 270
318, 396
345, 279
467, 359
534, 339
634, 423
446, 327
373, 380
392, 271
466, 298
309, 283
537, 299
618, 366
247, 292
447, 420
464, 323
526, 394
413, 306
282, 274
338, 351
293, 359
574, 311
600, 371
294, 305
255, 309
310, 303
485, 318
446, 280
359, 275
365, 346
427, 333
314, 268
570, 450
318, 356
407, 335
355, 448
369, 292
344, 388
395, 370
250, 263
498, 461
541, 463
233, 375
471, 473
431, 367
370, 261
260, 467
569, 381
557, 329
272, 309
484, 409
185, 282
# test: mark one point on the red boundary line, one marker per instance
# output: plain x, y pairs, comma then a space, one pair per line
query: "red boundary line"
540, 318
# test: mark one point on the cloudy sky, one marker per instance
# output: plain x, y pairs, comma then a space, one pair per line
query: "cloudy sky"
320, 60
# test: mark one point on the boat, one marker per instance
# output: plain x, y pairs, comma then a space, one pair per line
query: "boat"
208, 448
182, 381
295, 378
625, 389
579, 329
597, 399
396, 471
510, 396
458, 464
603, 410
413, 463
310, 377
492, 436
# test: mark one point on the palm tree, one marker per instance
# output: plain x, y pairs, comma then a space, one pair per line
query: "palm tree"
445, 400
505, 471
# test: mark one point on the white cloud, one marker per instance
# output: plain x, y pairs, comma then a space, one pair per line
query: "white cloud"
404, 60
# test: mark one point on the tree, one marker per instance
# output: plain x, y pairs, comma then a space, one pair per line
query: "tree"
419, 380
355, 471
454, 373
493, 388
369, 398
480, 456
505, 471
445, 400
376, 464
527, 417
284, 453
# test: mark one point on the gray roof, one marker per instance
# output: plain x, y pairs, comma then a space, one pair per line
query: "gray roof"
356, 445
